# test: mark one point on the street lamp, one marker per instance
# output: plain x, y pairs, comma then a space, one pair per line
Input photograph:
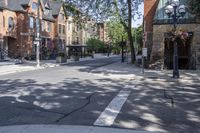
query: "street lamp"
37, 39
175, 10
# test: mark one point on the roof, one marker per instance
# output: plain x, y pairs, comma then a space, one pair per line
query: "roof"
17, 5
48, 17
56, 6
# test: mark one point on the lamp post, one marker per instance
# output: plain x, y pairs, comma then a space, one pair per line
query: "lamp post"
175, 10
37, 39
1, 52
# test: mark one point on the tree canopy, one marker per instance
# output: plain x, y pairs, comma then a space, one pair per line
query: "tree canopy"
194, 7
105, 10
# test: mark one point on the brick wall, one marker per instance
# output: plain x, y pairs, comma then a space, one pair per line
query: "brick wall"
149, 11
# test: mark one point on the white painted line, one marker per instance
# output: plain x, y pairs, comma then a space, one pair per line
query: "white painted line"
109, 115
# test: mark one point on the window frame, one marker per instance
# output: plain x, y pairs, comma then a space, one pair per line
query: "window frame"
31, 25
11, 23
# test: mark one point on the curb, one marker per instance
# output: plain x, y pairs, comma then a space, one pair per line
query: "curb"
46, 66
65, 129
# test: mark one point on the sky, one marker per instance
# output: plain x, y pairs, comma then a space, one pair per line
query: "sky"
137, 22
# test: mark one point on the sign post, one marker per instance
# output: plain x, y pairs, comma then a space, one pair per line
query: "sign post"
144, 50
144, 54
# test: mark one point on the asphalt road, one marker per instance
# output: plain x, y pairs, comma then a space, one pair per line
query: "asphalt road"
74, 95
68, 94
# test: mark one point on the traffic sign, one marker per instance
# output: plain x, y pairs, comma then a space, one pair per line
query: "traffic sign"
36, 42
25, 34
37, 39
144, 52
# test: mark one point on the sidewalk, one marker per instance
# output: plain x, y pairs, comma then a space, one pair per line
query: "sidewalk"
64, 129
124, 70
10, 67
171, 105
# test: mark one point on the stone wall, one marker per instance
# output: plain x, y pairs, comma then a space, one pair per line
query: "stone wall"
158, 41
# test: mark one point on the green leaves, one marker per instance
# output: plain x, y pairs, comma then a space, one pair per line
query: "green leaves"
194, 7
96, 45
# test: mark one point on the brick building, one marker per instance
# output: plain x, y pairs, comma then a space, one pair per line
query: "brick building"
159, 26
19, 25
102, 32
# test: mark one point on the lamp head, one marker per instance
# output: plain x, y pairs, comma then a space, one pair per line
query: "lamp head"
169, 10
175, 3
182, 10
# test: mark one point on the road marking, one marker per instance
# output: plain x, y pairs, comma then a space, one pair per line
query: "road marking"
109, 115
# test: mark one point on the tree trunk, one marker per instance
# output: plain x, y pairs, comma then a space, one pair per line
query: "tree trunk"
129, 31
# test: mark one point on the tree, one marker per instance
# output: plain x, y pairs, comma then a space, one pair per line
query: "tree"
138, 38
194, 7
125, 10
116, 32
96, 45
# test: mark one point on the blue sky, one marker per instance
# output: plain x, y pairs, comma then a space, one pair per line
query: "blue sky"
139, 21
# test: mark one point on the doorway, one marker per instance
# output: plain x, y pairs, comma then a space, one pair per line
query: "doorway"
184, 53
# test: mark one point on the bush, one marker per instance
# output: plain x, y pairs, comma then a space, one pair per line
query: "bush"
61, 54
96, 45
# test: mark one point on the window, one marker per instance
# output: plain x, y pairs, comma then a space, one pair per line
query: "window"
37, 24
34, 6
77, 27
69, 26
59, 28
46, 12
62, 16
31, 22
69, 41
10, 23
63, 29
43, 26
3, 21
48, 26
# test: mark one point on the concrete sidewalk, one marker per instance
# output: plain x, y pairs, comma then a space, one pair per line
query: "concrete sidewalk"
10, 67
64, 129
124, 70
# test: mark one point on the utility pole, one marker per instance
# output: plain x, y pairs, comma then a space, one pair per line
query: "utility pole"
37, 39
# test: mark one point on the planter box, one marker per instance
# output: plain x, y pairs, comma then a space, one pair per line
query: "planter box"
61, 59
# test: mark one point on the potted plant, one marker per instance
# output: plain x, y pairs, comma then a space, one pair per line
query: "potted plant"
61, 58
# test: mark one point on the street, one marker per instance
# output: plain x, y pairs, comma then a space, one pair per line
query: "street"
84, 93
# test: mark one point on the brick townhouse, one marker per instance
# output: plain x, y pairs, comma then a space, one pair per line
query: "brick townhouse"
59, 25
48, 43
158, 27
102, 32
18, 28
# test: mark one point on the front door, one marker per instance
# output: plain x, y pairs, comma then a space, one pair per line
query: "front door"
184, 53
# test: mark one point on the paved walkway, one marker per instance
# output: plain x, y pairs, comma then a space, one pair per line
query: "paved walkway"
10, 67
64, 129
124, 70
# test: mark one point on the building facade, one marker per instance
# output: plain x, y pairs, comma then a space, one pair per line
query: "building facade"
102, 32
19, 26
159, 28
